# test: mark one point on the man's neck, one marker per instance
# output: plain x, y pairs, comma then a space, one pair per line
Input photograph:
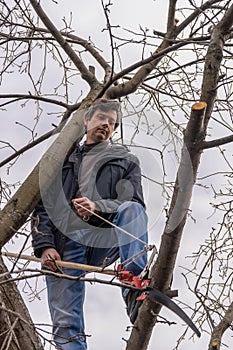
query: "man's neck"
96, 146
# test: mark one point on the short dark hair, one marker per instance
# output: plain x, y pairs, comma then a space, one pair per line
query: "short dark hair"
105, 105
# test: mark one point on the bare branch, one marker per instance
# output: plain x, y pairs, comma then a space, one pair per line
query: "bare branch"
18, 97
213, 62
195, 14
217, 142
171, 17
86, 74
72, 38
150, 63
147, 65
109, 72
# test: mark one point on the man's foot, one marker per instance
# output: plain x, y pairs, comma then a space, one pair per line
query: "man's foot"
132, 305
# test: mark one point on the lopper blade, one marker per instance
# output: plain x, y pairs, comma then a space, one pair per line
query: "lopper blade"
159, 297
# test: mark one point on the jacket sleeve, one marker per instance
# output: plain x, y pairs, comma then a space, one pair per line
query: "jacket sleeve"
128, 188
42, 230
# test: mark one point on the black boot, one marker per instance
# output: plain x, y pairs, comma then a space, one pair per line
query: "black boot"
132, 305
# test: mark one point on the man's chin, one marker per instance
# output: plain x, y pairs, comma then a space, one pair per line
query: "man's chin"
101, 136
98, 137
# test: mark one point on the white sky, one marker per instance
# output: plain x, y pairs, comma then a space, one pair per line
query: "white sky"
106, 318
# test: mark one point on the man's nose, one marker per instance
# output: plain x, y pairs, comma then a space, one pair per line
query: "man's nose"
105, 122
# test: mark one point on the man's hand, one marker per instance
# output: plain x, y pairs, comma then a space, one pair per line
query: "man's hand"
48, 256
87, 206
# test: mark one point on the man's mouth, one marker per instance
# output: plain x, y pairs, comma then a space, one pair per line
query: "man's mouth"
102, 131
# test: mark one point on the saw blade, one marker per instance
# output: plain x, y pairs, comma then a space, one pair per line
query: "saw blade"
159, 297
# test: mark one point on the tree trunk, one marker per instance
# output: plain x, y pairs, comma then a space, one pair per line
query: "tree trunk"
19, 207
194, 135
17, 331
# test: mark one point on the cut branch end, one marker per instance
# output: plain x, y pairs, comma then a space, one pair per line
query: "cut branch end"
199, 106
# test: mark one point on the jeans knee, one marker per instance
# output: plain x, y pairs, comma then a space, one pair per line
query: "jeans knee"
132, 216
131, 206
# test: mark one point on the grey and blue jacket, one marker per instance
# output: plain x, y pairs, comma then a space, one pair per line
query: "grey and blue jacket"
115, 178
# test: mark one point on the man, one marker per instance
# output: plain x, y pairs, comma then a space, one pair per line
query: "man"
99, 180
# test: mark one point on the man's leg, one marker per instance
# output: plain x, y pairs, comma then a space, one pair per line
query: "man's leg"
66, 298
132, 217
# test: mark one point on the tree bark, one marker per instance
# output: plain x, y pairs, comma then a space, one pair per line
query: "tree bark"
17, 331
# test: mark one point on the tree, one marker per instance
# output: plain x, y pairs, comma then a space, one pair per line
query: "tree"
184, 74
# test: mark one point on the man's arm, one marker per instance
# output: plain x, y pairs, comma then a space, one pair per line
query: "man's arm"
42, 230
128, 188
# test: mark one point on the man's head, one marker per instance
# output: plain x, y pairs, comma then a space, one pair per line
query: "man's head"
102, 119
106, 105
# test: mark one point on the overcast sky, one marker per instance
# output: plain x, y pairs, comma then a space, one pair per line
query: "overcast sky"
106, 319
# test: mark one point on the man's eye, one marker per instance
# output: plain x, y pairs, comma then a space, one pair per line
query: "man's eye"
103, 117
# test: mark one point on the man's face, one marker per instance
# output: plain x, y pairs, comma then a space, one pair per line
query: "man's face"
101, 126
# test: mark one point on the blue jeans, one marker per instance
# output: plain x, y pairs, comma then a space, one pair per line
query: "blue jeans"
66, 297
